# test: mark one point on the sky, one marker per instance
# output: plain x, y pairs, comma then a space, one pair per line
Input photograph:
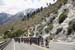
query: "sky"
15, 6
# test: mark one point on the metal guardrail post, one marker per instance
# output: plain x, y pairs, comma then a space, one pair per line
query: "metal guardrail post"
4, 44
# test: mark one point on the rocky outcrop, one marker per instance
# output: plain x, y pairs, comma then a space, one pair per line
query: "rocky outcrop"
58, 26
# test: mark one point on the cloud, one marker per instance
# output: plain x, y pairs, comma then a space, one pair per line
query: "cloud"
1, 2
14, 6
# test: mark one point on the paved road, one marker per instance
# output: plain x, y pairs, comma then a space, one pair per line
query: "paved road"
53, 46
61, 46
21, 46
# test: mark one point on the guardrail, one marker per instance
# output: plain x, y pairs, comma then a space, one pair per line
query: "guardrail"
4, 44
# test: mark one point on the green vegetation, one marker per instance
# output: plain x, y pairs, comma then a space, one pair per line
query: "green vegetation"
47, 30
50, 27
32, 33
18, 33
63, 1
71, 27
72, 24
63, 16
40, 28
11, 34
30, 15
69, 31
7, 34
58, 31
1, 39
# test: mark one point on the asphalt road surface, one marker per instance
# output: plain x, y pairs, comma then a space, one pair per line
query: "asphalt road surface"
21, 46
61, 46
52, 46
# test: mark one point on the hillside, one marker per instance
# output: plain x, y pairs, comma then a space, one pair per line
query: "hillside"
35, 19
59, 24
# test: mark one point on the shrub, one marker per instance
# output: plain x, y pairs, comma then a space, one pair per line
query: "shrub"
69, 31
40, 28
7, 34
50, 26
64, 2
63, 16
32, 33
51, 20
18, 33
47, 30
11, 34
72, 24
25, 33
58, 30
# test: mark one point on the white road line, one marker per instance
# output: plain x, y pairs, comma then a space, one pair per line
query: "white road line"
13, 44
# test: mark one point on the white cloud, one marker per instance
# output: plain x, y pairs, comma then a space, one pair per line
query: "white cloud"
14, 6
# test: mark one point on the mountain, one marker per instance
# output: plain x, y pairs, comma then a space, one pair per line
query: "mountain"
20, 15
8, 18
4, 17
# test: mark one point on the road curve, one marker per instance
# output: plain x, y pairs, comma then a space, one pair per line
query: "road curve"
21, 46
